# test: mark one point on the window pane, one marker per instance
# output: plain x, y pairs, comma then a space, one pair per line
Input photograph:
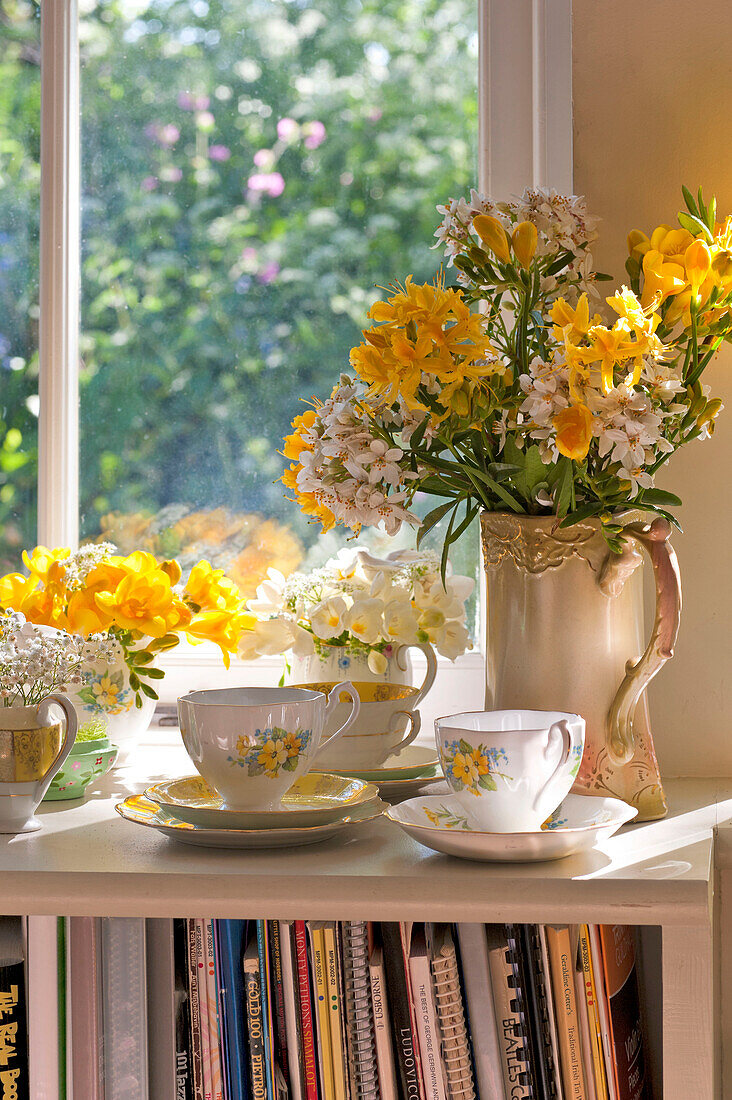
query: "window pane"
20, 95
253, 171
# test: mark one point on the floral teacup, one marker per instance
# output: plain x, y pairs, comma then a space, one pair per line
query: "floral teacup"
518, 765
251, 744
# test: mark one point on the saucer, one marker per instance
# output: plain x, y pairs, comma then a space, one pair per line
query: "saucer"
317, 798
396, 790
142, 811
446, 823
411, 762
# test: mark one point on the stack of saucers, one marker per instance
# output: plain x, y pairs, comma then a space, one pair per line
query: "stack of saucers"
317, 807
402, 775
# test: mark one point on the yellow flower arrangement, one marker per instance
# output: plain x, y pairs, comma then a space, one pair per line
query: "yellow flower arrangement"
135, 599
546, 400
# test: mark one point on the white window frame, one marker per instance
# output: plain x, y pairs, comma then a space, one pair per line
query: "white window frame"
525, 137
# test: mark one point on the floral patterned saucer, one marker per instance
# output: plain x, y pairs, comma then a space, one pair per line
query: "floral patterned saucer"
142, 811
447, 823
317, 798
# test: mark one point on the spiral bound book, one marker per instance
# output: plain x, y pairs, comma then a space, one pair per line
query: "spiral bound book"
451, 1015
363, 1070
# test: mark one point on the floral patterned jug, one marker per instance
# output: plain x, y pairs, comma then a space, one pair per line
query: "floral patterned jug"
564, 630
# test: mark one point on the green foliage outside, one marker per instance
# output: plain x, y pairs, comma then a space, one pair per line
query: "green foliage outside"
227, 267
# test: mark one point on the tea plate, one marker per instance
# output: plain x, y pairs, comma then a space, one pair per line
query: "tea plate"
447, 823
317, 798
411, 763
142, 811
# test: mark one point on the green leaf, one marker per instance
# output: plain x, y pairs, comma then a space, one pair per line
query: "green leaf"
695, 225
464, 746
563, 491
659, 496
433, 518
149, 691
688, 199
583, 512
152, 673
487, 782
603, 277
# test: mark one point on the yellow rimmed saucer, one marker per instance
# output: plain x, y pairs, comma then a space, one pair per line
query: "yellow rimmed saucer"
142, 811
317, 798
412, 762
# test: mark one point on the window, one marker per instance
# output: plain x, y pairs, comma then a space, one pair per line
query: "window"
252, 170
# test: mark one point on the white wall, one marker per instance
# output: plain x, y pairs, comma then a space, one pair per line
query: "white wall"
652, 89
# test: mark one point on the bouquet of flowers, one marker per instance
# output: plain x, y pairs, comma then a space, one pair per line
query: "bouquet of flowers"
363, 603
135, 601
37, 660
537, 403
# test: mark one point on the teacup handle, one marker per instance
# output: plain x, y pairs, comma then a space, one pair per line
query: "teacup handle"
401, 651
545, 798
415, 724
333, 701
72, 725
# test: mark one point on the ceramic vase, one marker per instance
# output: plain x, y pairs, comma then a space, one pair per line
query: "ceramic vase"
333, 663
564, 631
34, 744
87, 762
105, 706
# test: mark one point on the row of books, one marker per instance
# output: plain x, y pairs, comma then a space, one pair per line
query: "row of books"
194, 1009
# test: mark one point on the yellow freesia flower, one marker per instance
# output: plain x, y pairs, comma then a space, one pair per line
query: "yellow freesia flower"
85, 616
698, 261
493, 235
14, 588
45, 564
222, 628
211, 590
661, 279
294, 443
574, 431
572, 323
523, 242
144, 602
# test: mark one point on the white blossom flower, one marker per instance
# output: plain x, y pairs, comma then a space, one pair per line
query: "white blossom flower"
364, 621
327, 618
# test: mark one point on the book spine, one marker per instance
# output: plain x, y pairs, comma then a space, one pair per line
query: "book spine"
382, 1026
214, 1021
358, 1010
561, 961
511, 1037
428, 1030
182, 1017
626, 1029
584, 1028
401, 1016
43, 1008
278, 998
603, 1009
291, 1009
252, 989
335, 1010
264, 990
61, 1000
14, 1068
593, 1015
204, 1023
320, 986
194, 1001
455, 1045
310, 1068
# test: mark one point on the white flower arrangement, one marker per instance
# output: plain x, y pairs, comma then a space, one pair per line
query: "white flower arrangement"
364, 603
38, 660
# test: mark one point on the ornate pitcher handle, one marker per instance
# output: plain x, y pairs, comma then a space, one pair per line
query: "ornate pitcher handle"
401, 659
638, 675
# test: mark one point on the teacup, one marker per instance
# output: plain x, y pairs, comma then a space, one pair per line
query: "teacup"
387, 723
34, 744
251, 744
518, 764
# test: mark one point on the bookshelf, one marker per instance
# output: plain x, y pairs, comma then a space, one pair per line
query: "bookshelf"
661, 875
